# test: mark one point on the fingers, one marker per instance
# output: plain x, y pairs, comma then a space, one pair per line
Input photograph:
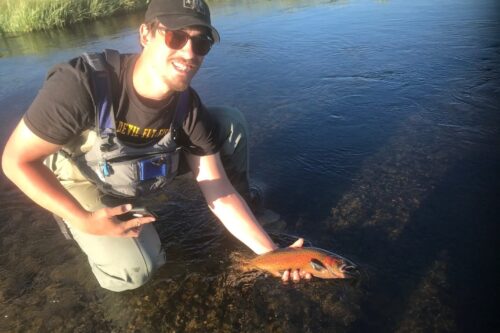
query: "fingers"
108, 222
286, 276
132, 225
137, 222
295, 275
132, 232
298, 243
118, 210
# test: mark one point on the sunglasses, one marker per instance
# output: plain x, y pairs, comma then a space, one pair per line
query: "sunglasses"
176, 39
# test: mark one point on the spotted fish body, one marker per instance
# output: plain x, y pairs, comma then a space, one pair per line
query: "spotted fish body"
317, 262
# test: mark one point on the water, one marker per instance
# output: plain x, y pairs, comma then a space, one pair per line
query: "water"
375, 127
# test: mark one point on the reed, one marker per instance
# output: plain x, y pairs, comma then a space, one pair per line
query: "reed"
31, 15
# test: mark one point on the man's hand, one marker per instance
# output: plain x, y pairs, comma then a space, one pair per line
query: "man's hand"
296, 274
105, 222
22, 163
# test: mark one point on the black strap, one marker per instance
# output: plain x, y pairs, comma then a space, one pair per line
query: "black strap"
102, 91
181, 111
103, 98
113, 58
96, 61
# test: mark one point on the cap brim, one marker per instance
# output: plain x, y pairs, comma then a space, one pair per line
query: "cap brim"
179, 22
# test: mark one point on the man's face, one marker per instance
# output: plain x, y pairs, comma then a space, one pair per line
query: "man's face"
174, 67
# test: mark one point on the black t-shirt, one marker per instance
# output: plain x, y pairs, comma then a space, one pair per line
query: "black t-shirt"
64, 108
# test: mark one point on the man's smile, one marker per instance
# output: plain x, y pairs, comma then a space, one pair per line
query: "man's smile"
183, 66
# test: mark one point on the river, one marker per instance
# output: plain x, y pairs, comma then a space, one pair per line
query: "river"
375, 129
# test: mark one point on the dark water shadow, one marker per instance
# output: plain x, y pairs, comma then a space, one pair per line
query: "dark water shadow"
421, 219
432, 277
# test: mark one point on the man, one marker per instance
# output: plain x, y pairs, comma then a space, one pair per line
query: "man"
59, 154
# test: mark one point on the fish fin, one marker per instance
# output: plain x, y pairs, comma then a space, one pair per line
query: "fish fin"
241, 262
245, 267
317, 265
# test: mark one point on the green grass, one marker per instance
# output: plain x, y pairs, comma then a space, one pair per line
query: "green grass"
31, 15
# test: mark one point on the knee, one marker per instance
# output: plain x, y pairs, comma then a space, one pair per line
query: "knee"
124, 278
233, 129
229, 119
128, 274
123, 263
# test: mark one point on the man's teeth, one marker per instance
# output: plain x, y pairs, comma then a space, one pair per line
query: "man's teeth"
180, 67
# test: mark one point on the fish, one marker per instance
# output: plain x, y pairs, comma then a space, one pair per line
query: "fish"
318, 262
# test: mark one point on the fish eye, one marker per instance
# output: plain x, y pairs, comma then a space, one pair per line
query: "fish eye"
347, 268
317, 265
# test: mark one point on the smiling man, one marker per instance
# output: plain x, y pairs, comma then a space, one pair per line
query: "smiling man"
108, 132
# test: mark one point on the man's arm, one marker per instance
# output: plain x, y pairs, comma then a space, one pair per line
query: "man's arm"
22, 163
232, 210
227, 204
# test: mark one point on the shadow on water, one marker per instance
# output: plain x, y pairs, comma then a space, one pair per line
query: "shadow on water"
421, 230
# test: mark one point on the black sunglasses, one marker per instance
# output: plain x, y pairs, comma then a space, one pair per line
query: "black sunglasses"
176, 39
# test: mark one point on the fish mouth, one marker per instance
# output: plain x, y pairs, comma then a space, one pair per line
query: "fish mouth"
349, 271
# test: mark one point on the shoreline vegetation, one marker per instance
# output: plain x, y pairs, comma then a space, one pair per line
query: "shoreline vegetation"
17, 16
22, 16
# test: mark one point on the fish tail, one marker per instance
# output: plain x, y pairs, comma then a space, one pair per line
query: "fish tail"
241, 262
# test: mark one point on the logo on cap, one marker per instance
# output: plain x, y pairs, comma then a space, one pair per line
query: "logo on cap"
197, 5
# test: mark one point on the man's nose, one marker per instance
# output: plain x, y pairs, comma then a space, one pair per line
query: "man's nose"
187, 50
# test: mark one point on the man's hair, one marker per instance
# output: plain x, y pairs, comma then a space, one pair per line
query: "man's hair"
152, 26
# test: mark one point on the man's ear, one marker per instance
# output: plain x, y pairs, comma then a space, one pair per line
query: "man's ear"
144, 35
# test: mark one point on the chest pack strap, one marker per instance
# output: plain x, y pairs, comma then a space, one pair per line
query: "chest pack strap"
181, 111
103, 95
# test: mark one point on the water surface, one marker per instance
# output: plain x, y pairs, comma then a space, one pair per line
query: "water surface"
375, 127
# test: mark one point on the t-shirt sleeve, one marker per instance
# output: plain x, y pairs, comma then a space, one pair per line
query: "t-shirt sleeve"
63, 107
201, 129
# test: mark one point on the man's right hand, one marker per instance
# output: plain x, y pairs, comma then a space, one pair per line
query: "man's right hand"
105, 222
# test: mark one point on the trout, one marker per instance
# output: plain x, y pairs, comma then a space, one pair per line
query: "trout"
317, 262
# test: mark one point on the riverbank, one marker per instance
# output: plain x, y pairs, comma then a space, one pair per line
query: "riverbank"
18, 16
32, 15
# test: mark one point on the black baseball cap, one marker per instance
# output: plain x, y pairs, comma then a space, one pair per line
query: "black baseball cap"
178, 14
